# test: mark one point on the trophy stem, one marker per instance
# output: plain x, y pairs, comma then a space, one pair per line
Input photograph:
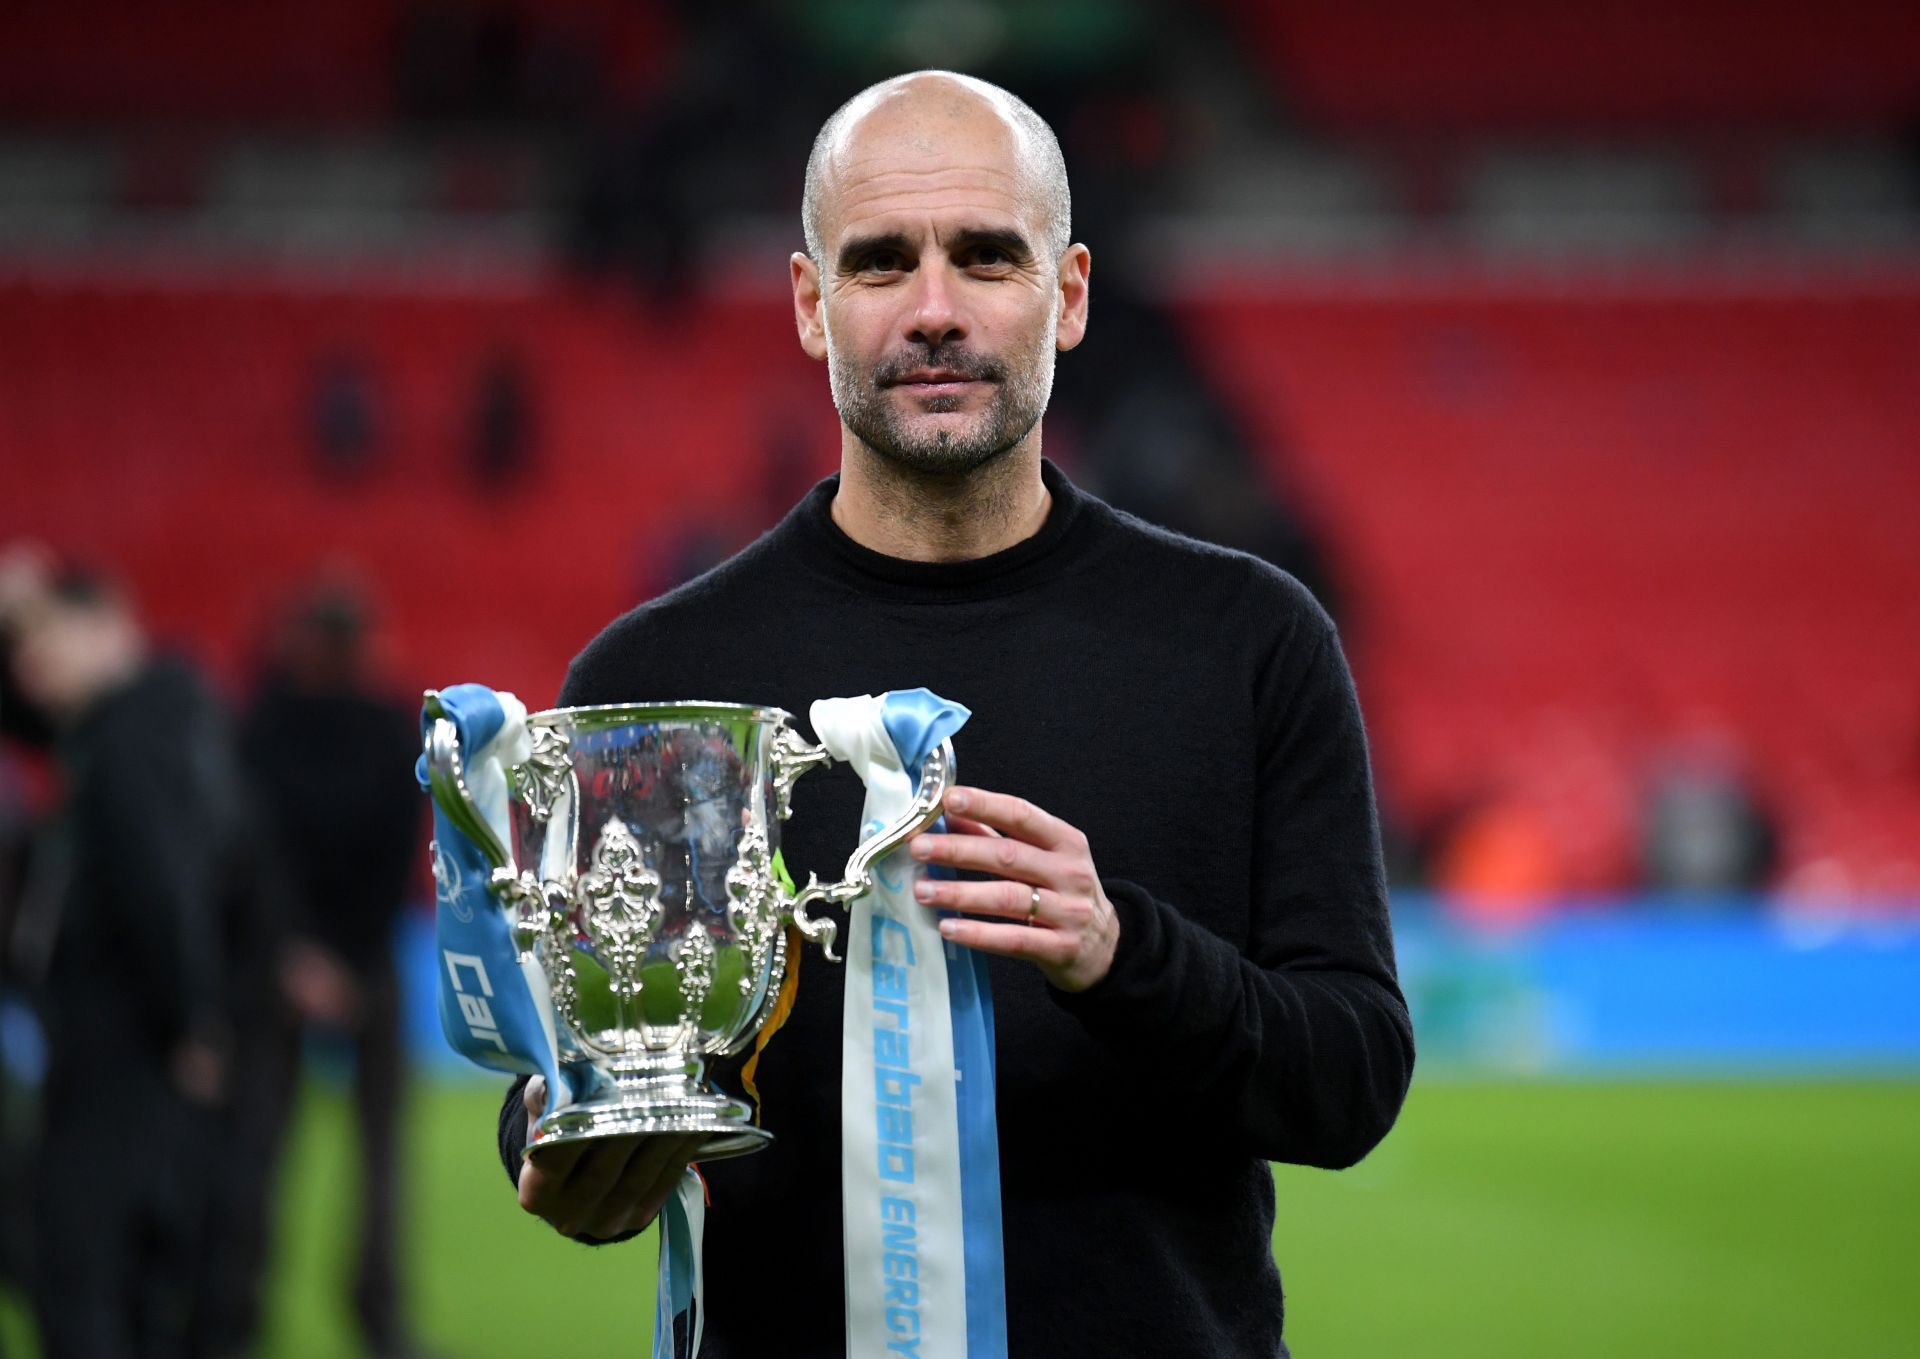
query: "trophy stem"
656, 1094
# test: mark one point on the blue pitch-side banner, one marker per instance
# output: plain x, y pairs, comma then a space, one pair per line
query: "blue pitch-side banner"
1652, 987
1634, 987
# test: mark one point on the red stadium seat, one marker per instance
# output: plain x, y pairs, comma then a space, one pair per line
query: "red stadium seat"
1579, 524
1679, 507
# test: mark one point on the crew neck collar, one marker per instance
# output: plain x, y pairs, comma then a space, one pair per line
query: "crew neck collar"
1013, 568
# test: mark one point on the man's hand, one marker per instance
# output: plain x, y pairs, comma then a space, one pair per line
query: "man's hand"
318, 986
198, 1069
1062, 920
604, 1187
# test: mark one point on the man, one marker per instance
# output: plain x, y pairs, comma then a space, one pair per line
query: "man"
1169, 795
329, 756
121, 930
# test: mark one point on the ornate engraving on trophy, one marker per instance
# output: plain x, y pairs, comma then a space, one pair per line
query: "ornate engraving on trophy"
776, 972
563, 983
539, 782
753, 903
521, 894
620, 906
694, 964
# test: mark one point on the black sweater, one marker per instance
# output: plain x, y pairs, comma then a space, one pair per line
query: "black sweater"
1189, 709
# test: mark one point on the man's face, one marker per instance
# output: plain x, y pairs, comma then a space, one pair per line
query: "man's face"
62, 655
939, 305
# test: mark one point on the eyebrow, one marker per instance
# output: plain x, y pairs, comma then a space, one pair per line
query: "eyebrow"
966, 238
1007, 241
859, 247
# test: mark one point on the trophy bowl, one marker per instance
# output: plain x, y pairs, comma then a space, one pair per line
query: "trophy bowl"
640, 877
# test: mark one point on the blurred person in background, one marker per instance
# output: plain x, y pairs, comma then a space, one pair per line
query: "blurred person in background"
119, 934
1167, 450
939, 281
502, 438
21, 1044
344, 417
25, 570
1704, 830
332, 759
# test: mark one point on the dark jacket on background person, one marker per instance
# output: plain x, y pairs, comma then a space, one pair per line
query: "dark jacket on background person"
335, 774
150, 853
139, 882
333, 769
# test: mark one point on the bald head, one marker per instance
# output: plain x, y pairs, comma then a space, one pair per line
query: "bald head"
924, 109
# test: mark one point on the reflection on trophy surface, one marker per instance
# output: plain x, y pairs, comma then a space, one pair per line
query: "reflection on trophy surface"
639, 874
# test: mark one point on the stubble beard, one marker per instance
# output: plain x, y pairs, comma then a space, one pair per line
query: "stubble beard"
1021, 390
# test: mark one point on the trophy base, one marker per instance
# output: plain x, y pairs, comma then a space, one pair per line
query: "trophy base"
651, 1111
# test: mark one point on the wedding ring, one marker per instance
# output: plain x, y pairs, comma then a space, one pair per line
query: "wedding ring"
1033, 905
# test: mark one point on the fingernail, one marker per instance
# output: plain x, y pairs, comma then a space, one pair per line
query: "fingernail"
922, 848
949, 928
957, 800
923, 891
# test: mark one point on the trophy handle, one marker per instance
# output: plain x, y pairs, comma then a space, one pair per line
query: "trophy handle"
792, 757
447, 781
921, 813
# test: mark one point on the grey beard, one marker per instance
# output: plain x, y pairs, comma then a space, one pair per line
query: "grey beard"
1017, 405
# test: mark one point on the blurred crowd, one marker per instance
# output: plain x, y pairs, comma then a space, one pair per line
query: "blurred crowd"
186, 890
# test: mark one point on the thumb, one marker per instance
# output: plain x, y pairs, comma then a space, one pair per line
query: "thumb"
535, 1096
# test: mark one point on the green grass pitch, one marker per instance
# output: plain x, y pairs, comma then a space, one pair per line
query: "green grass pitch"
1556, 1220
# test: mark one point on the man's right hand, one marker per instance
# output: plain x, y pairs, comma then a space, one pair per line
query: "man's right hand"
601, 1188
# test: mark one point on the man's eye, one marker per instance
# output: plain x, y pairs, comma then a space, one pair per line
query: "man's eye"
884, 262
991, 256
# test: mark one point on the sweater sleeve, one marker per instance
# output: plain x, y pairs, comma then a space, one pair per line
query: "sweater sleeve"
1303, 1040
513, 1129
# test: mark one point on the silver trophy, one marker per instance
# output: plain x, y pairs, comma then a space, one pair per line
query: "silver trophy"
639, 874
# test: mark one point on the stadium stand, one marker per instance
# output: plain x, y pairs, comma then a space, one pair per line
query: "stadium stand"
1645, 530
1633, 490
196, 59
165, 430
352, 63
1512, 64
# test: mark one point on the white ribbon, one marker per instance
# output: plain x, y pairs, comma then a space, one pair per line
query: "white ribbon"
906, 1286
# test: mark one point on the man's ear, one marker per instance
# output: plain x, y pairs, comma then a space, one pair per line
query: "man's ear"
1075, 266
807, 315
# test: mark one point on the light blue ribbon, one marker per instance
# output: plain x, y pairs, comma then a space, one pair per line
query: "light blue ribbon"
678, 1276
917, 721
486, 1009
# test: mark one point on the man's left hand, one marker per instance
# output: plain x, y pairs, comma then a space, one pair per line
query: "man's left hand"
1046, 886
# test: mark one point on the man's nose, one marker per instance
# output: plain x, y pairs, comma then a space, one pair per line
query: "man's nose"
936, 315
